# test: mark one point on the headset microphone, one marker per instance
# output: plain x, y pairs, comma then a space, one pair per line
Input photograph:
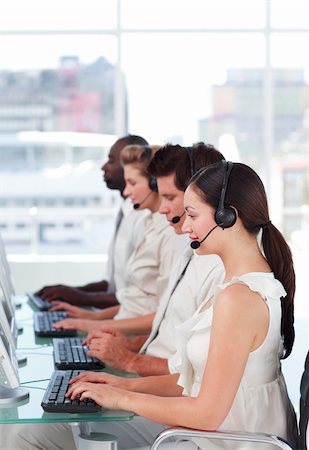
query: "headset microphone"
196, 244
176, 219
138, 205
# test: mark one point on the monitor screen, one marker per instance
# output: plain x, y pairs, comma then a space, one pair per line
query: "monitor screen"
6, 269
10, 389
6, 327
8, 363
7, 295
8, 306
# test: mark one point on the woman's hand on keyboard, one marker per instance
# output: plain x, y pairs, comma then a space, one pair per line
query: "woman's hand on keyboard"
99, 377
105, 395
72, 311
77, 324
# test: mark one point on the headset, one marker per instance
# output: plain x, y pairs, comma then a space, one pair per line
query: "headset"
225, 217
152, 182
190, 153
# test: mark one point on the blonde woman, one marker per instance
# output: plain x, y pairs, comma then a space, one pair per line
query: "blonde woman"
148, 269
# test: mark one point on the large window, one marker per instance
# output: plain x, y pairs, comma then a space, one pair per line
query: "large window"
75, 74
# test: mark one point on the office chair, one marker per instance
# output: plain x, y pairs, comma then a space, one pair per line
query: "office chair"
236, 436
304, 406
275, 441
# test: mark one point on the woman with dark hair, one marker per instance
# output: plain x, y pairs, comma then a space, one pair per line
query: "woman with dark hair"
227, 366
226, 373
247, 198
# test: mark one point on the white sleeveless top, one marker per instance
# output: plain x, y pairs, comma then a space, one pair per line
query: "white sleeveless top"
261, 403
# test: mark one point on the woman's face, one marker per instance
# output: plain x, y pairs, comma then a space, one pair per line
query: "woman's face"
137, 187
199, 221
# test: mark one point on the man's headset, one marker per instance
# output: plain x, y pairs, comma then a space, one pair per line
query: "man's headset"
190, 151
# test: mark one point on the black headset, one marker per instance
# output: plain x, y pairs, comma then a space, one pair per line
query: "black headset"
152, 182
190, 151
225, 217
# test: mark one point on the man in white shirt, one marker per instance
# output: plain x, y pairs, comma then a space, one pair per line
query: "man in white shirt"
191, 281
128, 231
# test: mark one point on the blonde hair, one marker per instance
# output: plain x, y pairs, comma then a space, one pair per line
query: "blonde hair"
139, 155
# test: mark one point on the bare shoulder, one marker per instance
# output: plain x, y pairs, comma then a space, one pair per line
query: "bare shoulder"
241, 312
240, 296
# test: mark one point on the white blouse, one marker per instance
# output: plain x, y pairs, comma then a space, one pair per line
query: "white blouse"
123, 243
261, 403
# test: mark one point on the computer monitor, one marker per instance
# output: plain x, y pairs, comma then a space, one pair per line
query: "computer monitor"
8, 277
10, 389
8, 306
10, 337
6, 328
6, 268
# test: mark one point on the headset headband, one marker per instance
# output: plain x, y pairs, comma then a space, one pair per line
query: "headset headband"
227, 169
190, 151
225, 216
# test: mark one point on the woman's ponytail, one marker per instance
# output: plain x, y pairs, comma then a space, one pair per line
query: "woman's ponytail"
279, 257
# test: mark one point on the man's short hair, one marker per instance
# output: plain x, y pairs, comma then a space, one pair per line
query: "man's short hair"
176, 159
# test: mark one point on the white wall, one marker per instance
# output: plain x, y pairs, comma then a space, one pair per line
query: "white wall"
32, 272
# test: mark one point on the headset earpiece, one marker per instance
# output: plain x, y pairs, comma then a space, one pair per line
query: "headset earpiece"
225, 217
152, 183
190, 151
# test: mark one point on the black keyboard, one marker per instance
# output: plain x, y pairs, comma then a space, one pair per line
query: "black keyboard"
69, 353
43, 324
54, 399
37, 301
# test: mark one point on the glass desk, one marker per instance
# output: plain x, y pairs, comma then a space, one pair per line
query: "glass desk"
35, 375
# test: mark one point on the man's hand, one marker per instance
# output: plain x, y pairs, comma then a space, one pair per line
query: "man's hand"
63, 293
79, 296
120, 338
108, 349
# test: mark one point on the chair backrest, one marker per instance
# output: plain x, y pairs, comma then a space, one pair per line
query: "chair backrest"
304, 405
